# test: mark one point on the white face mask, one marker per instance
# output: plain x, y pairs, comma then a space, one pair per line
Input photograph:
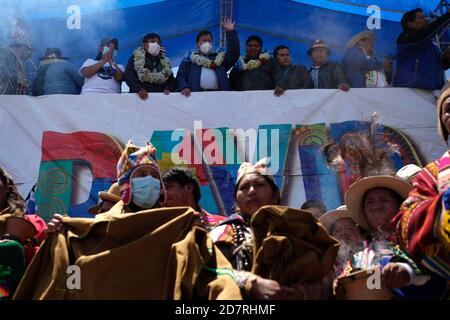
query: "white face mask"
154, 48
205, 48
105, 50
146, 191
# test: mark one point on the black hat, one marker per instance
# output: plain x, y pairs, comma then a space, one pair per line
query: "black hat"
52, 53
318, 44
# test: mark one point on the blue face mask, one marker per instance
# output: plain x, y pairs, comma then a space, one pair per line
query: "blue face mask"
146, 191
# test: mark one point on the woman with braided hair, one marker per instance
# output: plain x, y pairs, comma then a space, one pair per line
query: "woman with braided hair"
20, 235
10, 199
235, 237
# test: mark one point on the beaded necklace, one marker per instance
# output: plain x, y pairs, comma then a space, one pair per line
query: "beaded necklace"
242, 247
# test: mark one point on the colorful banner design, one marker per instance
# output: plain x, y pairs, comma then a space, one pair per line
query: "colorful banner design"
273, 142
323, 183
63, 155
320, 181
215, 155
176, 148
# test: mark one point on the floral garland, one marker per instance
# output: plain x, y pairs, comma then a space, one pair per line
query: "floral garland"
203, 61
254, 63
145, 75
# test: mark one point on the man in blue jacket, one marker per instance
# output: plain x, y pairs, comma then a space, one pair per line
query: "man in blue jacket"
204, 70
420, 60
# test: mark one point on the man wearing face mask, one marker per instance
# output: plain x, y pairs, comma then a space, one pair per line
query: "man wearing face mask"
205, 70
103, 43
104, 75
149, 254
149, 70
140, 184
139, 179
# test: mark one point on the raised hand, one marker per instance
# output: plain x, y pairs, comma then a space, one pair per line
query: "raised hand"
228, 24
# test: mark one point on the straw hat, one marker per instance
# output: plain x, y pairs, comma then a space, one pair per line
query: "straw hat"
365, 34
355, 194
330, 217
112, 195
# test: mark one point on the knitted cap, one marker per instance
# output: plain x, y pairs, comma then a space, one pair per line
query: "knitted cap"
131, 158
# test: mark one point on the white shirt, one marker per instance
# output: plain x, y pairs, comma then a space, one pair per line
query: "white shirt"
101, 82
208, 79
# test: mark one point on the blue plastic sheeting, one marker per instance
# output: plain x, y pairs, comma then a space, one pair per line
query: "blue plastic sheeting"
297, 25
176, 21
290, 22
58, 8
397, 6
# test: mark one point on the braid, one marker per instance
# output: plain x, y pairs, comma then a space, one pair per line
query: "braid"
13, 199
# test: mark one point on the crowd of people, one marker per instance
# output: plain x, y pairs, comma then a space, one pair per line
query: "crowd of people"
395, 224
420, 64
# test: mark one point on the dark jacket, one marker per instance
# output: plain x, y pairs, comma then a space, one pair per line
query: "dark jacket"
151, 62
256, 79
188, 75
59, 77
419, 62
292, 77
331, 75
355, 65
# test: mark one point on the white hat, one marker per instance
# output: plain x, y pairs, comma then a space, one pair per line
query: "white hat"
330, 217
408, 172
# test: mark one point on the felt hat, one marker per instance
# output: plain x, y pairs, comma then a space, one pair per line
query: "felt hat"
53, 53
20, 227
112, 195
318, 43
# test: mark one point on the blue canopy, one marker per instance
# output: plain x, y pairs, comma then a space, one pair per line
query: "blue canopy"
294, 23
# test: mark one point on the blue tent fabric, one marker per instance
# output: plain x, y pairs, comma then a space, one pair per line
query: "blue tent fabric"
295, 23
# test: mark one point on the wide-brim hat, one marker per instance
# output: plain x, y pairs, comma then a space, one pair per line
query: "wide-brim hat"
365, 34
53, 53
20, 227
445, 93
355, 194
318, 44
330, 217
112, 195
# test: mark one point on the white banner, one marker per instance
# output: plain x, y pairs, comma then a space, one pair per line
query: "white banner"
24, 120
